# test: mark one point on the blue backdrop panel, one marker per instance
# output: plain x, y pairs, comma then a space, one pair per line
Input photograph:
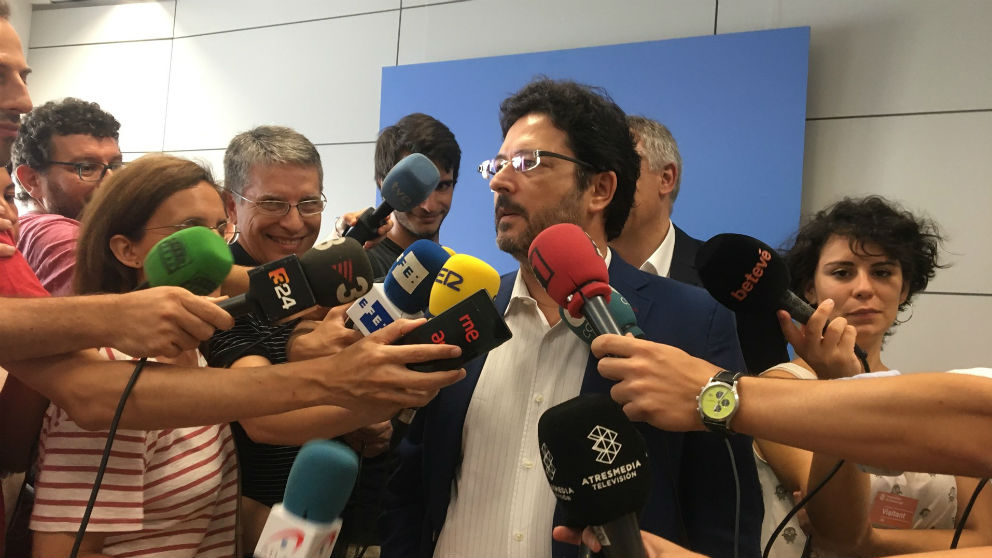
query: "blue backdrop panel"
735, 103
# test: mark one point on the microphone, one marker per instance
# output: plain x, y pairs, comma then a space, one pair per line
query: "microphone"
474, 324
568, 265
597, 465
307, 522
333, 272
746, 275
196, 259
405, 291
621, 311
461, 276
405, 186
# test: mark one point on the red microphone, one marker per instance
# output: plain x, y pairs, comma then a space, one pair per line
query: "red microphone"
569, 267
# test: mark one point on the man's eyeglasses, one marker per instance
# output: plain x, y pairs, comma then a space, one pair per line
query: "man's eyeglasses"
279, 208
221, 228
523, 162
91, 172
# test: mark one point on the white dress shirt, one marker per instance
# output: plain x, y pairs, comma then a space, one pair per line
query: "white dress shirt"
501, 504
660, 262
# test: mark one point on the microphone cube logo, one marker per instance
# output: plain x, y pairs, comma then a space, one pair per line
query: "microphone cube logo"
605, 443
409, 272
173, 255
280, 282
542, 270
549, 462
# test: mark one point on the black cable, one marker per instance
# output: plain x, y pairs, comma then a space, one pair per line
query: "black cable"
967, 512
737, 502
106, 457
808, 547
799, 505
862, 358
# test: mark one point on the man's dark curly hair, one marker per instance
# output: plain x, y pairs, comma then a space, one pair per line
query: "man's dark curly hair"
597, 133
33, 145
417, 133
912, 241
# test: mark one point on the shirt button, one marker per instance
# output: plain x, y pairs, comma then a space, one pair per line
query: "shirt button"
528, 464
518, 536
538, 398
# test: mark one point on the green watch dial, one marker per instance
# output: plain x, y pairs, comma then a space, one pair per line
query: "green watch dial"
717, 402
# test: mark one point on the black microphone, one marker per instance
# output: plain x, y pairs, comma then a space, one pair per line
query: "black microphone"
567, 264
597, 465
405, 186
746, 275
334, 272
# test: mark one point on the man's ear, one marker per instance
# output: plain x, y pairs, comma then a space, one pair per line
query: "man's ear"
123, 249
229, 207
601, 191
31, 180
669, 177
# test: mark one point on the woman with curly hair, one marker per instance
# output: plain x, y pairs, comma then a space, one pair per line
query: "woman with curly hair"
864, 259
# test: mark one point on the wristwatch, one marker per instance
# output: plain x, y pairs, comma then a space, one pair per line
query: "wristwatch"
718, 402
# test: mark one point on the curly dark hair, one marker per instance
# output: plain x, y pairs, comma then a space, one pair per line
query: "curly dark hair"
68, 116
417, 133
912, 241
597, 133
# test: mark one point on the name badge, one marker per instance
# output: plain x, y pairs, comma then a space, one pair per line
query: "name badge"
893, 510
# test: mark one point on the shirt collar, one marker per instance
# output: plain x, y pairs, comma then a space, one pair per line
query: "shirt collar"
660, 262
520, 295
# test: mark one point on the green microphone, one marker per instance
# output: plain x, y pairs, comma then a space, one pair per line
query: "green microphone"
196, 259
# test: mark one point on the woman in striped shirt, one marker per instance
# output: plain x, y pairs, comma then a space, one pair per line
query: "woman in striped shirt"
165, 492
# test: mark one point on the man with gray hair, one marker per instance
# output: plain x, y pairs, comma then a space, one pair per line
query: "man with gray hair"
651, 241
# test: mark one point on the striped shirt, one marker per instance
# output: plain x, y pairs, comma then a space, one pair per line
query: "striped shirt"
165, 492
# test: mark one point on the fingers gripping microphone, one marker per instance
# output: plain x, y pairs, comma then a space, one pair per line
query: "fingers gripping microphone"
405, 186
404, 293
747, 276
597, 465
196, 259
621, 311
334, 272
461, 276
569, 267
307, 522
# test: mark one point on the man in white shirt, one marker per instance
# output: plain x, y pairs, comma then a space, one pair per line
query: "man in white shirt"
470, 482
651, 241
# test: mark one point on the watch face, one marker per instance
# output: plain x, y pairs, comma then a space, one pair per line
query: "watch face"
717, 401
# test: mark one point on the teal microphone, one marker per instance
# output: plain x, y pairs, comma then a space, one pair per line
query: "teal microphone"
196, 259
618, 307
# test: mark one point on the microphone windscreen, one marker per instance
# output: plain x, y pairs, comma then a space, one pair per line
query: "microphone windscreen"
338, 271
566, 261
449, 250
409, 183
595, 460
461, 276
409, 281
196, 259
619, 308
320, 481
742, 273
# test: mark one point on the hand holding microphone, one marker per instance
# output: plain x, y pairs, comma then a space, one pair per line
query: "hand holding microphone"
405, 187
826, 345
746, 275
597, 465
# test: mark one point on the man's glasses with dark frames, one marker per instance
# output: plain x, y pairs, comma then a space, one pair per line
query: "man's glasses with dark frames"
523, 162
91, 172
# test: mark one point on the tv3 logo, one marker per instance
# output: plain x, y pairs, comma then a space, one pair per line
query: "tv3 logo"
282, 288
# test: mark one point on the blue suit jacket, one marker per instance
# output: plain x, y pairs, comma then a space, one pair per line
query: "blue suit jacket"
692, 497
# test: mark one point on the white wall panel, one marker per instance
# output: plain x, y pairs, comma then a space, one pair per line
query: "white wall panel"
943, 333
491, 27
195, 17
103, 24
938, 164
129, 80
883, 56
322, 78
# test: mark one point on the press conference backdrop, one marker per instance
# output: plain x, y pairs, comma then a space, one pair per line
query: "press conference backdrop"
736, 104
